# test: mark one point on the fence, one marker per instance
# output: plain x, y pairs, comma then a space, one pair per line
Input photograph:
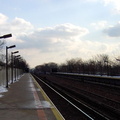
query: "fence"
16, 75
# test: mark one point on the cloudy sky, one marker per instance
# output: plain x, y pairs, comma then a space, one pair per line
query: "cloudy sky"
56, 30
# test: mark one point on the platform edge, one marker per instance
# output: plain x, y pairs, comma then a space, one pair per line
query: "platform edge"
55, 111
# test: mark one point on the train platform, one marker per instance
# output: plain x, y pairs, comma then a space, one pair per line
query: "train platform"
26, 100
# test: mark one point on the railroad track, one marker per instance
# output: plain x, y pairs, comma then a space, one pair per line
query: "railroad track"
86, 98
92, 96
83, 103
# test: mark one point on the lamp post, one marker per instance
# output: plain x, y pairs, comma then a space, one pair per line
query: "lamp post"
15, 63
7, 63
18, 66
6, 36
12, 63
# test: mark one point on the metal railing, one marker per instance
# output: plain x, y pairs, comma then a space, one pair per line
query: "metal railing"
16, 74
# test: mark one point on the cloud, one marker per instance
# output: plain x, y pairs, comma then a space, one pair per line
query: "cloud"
114, 3
20, 26
47, 38
113, 31
99, 25
62, 31
3, 19
17, 27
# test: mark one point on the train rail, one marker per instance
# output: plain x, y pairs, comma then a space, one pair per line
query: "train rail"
83, 102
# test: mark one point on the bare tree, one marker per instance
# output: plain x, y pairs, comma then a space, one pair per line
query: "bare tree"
71, 65
100, 64
63, 67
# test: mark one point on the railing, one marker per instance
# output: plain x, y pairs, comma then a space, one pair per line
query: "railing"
16, 74
2, 76
108, 80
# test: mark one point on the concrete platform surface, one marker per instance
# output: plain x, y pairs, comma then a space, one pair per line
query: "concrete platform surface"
25, 100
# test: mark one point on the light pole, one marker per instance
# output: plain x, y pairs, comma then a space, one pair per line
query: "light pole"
15, 64
18, 66
7, 63
12, 63
6, 36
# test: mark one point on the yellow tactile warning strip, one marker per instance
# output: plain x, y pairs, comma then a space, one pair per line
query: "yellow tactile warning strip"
54, 109
40, 112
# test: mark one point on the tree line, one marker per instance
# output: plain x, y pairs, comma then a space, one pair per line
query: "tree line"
98, 65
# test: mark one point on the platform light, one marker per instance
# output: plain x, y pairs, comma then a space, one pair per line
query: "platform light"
15, 52
6, 36
11, 46
7, 63
16, 63
12, 64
